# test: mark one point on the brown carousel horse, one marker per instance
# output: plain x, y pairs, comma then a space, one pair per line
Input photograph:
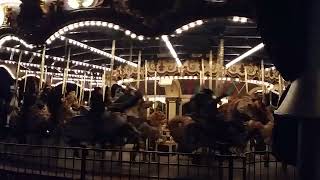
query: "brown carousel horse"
123, 123
258, 117
228, 130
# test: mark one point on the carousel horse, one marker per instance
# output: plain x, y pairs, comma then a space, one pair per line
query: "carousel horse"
119, 125
257, 118
33, 120
198, 127
71, 106
137, 117
228, 130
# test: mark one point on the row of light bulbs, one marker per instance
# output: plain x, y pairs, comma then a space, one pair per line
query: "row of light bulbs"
78, 79
15, 38
239, 19
189, 26
60, 74
129, 80
78, 63
98, 51
80, 24
25, 64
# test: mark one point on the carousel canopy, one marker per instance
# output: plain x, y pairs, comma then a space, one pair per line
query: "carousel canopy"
88, 29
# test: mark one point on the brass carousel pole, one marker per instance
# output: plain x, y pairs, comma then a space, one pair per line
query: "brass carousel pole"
25, 82
280, 86
77, 91
262, 79
17, 73
155, 88
139, 69
246, 79
202, 74
210, 66
65, 75
43, 59
45, 75
80, 90
220, 62
83, 87
104, 77
90, 88
146, 78
146, 83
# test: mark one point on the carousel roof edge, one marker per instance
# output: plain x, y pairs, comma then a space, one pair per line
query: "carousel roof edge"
160, 25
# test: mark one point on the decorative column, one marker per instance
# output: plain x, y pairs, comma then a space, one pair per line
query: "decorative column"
297, 119
173, 106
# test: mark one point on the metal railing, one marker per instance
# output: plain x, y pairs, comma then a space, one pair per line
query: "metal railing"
19, 161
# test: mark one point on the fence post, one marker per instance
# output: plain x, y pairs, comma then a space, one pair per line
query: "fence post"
220, 168
230, 168
244, 164
83, 163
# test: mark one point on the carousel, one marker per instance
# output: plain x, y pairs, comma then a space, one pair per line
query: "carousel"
92, 74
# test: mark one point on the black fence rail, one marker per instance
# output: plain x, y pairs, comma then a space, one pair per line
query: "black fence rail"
18, 161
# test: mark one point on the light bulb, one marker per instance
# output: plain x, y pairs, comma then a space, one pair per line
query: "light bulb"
74, 4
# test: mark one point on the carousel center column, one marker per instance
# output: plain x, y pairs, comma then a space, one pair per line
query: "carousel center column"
302, 103
173, 107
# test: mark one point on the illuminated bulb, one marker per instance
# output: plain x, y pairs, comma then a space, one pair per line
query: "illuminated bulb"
87, 3
71, 26
140, 37
65, 29
74, 4
243, 20
116, 27
76, 25
185, 27
133, 35
87, 23
179, 31
192, 24
199, 22
92, 23
110, 25
127, 32
99, 23
236, 18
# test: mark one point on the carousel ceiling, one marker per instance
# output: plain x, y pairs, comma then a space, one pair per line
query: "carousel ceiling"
89, 28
